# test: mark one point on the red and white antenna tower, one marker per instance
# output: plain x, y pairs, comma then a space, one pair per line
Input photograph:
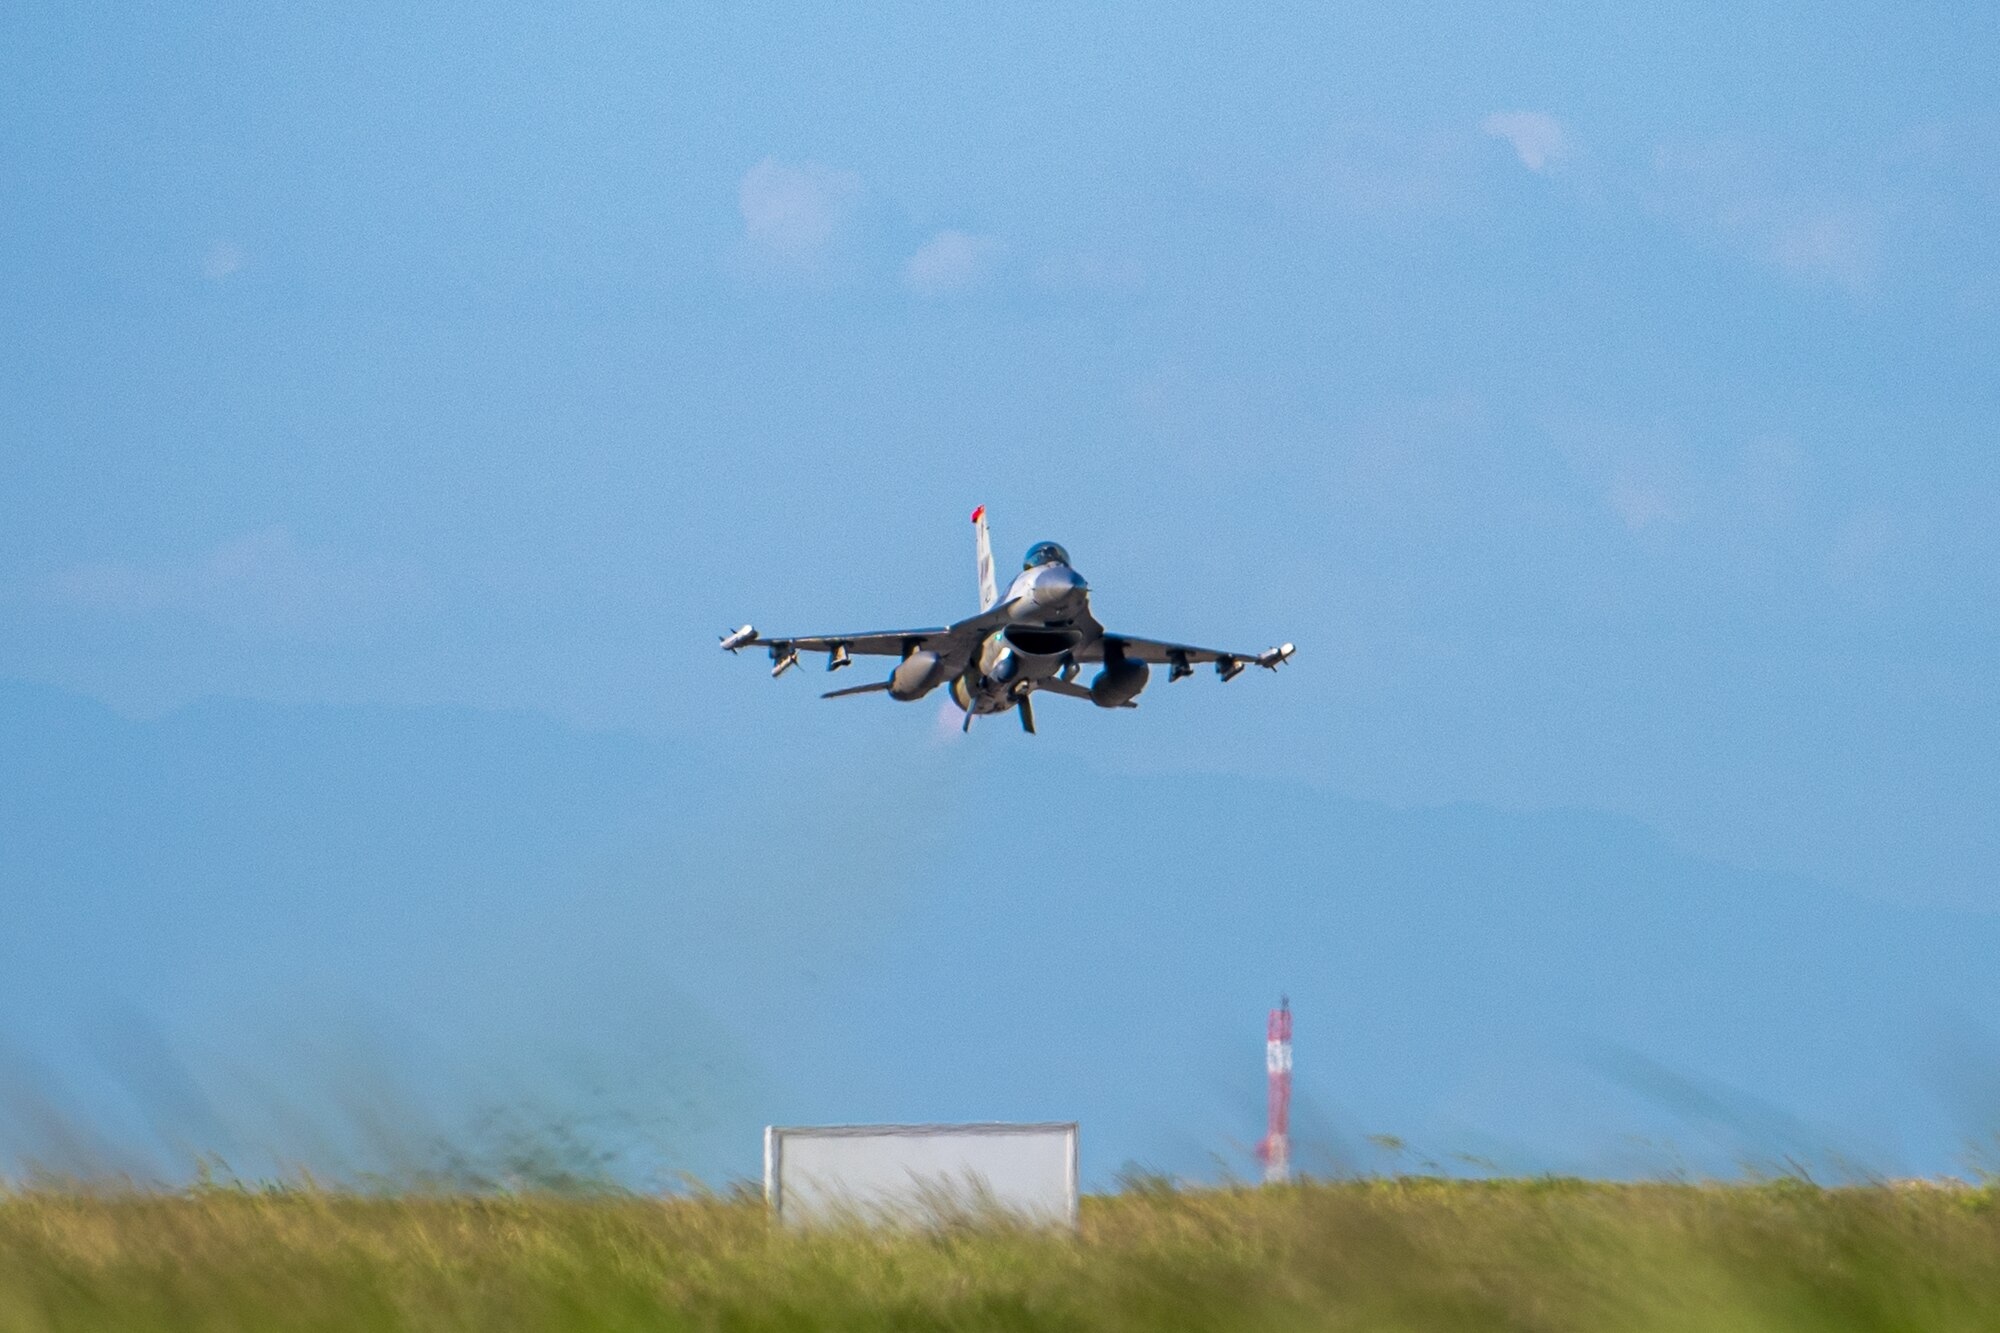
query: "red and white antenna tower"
1276, 1149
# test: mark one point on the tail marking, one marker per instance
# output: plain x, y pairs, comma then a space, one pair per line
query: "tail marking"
989, 591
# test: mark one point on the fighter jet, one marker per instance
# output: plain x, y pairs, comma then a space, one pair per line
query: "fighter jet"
1038, 637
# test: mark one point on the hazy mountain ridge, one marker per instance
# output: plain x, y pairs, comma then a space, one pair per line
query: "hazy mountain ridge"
929, 937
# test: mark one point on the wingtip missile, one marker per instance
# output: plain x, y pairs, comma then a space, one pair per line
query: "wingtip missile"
1273, 658
738, 638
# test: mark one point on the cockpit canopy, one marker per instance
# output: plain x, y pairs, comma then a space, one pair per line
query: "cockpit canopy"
1045, 553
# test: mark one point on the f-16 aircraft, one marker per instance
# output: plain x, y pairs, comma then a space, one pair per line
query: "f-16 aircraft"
1038, 637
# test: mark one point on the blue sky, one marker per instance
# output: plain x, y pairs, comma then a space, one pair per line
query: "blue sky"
396, 405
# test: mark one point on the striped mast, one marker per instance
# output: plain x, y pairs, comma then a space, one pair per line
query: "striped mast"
1276, 1149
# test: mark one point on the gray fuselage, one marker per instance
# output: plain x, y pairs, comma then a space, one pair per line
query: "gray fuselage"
1050, 622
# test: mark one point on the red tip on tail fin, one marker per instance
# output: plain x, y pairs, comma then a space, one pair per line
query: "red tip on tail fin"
979, 513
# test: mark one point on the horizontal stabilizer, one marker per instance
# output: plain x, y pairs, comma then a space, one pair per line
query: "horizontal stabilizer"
1071, 690
856, 689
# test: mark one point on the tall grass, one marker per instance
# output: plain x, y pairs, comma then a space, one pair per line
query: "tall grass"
1391, 1254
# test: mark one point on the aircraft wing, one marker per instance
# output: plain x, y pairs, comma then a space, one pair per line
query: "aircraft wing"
875, 643
948, 641
1182, 657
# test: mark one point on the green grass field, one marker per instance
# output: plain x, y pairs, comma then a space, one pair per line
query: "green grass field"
1390, 1254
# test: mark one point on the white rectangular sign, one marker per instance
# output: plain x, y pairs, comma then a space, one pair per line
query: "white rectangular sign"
917, 1174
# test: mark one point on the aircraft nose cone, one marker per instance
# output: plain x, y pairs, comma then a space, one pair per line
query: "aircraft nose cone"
1056, 585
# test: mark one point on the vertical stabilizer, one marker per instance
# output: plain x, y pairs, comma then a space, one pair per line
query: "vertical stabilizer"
989, 591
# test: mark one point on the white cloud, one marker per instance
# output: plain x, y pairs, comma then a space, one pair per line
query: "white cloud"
223, 258
950, 261
261, 581
1755, 502
793, 214
1748, 196
1646, 475
1639, 503
1837, 246
1537, 137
